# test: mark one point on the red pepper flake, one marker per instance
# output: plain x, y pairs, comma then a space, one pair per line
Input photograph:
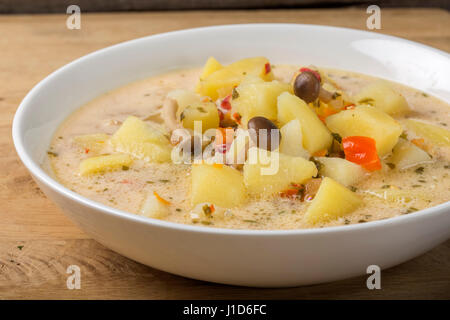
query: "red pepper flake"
225, 104
221, 115
349, 106
125, 181
267, 68
212, 208
86, 150
314, 72
237, 117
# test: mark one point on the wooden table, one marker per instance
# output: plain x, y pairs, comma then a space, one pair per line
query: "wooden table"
38, 243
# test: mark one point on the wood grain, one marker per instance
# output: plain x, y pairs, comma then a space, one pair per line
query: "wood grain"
31, 47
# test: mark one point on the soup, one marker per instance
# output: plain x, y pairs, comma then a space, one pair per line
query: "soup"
350, 148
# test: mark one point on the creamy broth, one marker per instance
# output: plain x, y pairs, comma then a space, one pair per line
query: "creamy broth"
127, 189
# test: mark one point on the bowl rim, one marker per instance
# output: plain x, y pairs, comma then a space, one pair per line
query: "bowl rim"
37, 171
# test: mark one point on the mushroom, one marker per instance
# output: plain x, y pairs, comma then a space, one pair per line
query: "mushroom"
169, 114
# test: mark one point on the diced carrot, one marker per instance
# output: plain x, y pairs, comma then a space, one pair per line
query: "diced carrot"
212, 208
289, 193
86, 150
362, 150
224, 136
320, 153
420, 143
164, 201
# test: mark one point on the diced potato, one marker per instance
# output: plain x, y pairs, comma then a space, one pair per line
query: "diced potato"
155, 207
142, 141
316, 136
217, 184
205, 112
341, 170
292, 140
407, 154
436, 135
332, 201
94, 143
381, 95
267, 173
369, 122
221, 82
184, 98
258, 99
105, 163
236, 154
211, 66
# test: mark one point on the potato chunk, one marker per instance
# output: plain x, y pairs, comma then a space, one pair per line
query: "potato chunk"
332, 201
292, 140
211, 66
258, 99
217, 184
142, 141
436, 135
407, 154
92, 143
369, 122
221, 82
205, 112
380, 95
341, 170
316, 136
267, 173
106, 163
155, 207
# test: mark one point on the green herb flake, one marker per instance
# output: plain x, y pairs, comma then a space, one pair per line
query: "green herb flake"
422, 181
206, 223
416, 186
234, 94
369, 101
202, 110
250, 221
182, 116
411, 210
352, 188
52, 154
149, 182
404, 135
335, 95
106, 189
206, 210
337, 137
125, 168
425, 95
346, 221
20, 247
178, 209
391, 165
419, 170
386, 186
362, 221
163, 180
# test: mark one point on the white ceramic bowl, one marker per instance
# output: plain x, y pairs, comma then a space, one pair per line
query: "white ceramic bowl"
239, 257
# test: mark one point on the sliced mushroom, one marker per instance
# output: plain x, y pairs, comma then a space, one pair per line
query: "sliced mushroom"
169, 114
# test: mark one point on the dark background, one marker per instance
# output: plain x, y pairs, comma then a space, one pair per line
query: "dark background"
60, 6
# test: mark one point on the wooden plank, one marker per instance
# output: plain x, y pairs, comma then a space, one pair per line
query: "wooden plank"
33, 46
